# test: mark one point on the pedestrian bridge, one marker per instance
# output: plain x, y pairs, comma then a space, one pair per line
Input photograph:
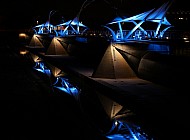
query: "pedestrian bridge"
155, 18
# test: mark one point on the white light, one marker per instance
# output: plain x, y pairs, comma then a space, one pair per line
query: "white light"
185, 38
116, 122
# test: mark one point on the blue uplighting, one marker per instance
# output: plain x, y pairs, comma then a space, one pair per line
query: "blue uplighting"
63, 84
126, 131
161, 48
39, 66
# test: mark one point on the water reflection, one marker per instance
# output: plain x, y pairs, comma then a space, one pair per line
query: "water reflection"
161, 48
127, 131
111, 128
176, 48
116, 128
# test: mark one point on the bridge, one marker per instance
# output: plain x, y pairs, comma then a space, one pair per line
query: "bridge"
120, 78
155, 17
116, 79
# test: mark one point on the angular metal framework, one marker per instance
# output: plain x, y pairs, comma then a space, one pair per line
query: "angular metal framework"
153, 15
71, 27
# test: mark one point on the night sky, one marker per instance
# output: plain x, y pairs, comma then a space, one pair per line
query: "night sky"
21, 14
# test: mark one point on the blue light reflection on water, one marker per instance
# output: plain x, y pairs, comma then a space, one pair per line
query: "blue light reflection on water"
119, 131
61, 83
162, 48
64, 85
40, 66
126, 131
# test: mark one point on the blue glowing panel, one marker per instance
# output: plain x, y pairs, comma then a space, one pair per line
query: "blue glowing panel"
119, 137
72, 22
71, 91
141, 16
116, 20
126, 131
159, 14
81, 39
164, 21
64, 85
159, 48
42, 28
39, 66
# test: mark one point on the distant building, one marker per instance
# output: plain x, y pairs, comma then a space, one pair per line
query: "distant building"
180, 19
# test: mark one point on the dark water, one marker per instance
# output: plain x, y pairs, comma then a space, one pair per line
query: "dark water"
181, 48
29, 108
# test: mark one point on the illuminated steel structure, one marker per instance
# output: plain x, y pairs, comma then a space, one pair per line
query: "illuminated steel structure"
155, 16
75, 27
70, 27
119, 129
45, 28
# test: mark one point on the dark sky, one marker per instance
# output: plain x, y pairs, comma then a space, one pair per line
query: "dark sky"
23, 14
